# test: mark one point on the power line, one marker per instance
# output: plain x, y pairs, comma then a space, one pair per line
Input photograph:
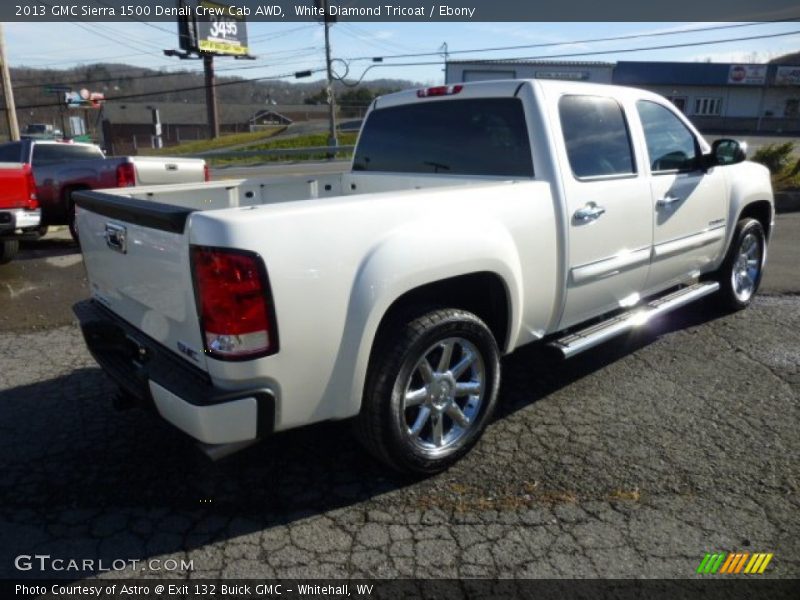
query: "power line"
648, 48
75, 61
589, 53
85, 27
586, 41
275, 35
475, 50
290, 52
184, 89
367, 38
133, 18
541, 57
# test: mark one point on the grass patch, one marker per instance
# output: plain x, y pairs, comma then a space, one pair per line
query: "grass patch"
300, 141
223, 141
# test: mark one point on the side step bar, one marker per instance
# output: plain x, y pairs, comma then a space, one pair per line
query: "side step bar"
596, 334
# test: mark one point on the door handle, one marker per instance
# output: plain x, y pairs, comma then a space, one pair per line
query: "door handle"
667, 200
589, 212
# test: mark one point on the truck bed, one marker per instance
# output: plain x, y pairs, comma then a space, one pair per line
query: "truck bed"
314, 233
237, 193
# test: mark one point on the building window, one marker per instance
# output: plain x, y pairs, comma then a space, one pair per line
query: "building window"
707, 106
792, 108
679, 102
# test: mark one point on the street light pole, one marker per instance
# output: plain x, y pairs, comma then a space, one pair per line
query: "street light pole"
8, 92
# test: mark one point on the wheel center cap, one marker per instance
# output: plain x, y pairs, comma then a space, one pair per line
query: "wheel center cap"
441, 394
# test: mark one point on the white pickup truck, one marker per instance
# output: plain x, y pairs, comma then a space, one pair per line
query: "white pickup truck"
476, 218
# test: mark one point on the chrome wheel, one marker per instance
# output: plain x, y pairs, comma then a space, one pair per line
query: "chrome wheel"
747, 267
443, 395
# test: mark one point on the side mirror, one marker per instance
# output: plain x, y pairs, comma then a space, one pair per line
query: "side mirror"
728, 152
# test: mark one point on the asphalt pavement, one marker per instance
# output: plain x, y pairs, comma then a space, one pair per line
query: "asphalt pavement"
631, 460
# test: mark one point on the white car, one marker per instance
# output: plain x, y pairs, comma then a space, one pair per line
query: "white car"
476, 218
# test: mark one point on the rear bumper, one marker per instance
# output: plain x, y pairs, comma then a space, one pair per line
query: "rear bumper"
182, 394
19, 218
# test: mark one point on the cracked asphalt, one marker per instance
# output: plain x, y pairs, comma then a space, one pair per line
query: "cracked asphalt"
631, 460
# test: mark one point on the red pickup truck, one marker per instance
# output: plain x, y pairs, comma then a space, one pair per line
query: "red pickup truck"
61, 168
19, 207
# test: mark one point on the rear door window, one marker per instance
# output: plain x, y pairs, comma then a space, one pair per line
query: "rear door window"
486, 136
49, 154
11, 153
596, 136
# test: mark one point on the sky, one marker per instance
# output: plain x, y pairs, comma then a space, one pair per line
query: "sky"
284, 48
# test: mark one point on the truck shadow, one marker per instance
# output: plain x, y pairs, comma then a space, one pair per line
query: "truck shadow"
47, 247
80, 480
542, 371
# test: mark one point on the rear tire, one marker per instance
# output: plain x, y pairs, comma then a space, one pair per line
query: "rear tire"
739, 276
8, 250
73, 226
36, 233
431, 390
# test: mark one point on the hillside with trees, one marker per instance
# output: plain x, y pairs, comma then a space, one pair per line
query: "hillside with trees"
127, 83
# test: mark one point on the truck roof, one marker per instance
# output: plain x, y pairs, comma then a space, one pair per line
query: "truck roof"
71, 143
500, 88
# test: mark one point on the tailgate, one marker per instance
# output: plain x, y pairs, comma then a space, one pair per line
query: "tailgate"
14, 192
137, 262
153, 170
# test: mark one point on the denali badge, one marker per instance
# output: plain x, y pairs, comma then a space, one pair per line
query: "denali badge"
190, 352
116, 237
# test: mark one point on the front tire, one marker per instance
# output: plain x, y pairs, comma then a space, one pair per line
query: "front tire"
8, 250
740, 274
431, 390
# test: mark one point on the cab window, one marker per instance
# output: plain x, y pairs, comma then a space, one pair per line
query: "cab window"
476, 136
11, 153
51, 154
671, 146
596, 136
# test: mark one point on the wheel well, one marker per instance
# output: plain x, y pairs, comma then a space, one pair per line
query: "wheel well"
67, 193
760, 211
483, 294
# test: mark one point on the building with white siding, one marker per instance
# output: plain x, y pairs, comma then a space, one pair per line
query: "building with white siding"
718, 97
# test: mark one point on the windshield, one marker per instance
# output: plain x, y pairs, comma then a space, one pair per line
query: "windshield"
484, 136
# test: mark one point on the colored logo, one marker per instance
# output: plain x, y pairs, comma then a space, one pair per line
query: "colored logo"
734, 563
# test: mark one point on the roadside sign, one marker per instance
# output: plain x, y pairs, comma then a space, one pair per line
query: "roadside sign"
221, 30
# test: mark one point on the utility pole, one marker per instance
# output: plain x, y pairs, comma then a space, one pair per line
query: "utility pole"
332, 142
211, 96
8, 93
443, 50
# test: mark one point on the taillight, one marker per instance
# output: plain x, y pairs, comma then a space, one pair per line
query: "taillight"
30, 183
206, 173
233, 300
439, 90
126, 175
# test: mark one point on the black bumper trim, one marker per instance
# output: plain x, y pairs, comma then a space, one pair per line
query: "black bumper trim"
132, 359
